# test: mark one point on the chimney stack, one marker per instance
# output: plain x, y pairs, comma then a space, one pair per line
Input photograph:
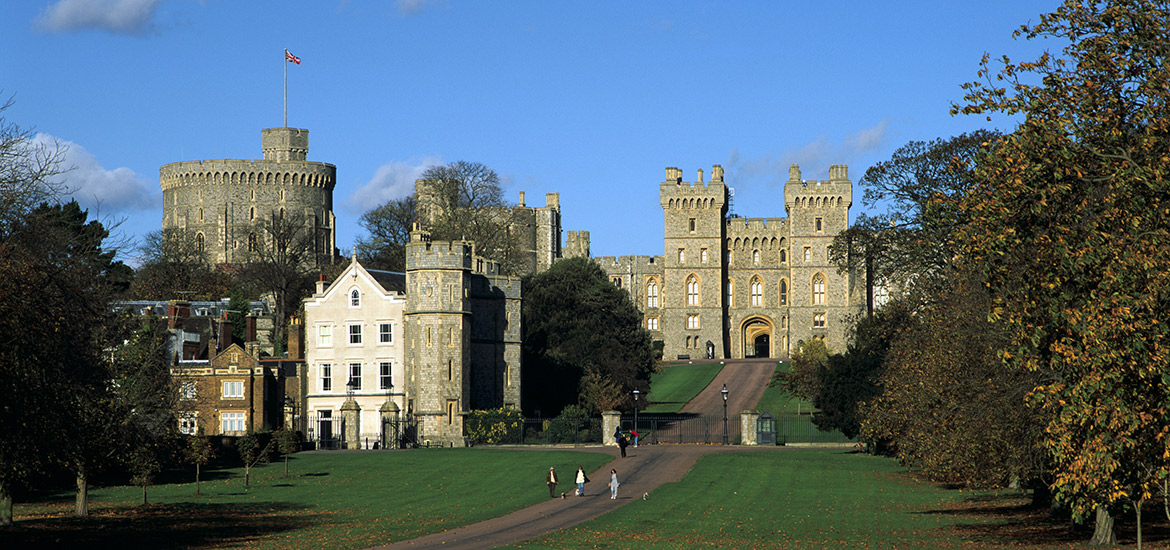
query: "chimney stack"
295, 347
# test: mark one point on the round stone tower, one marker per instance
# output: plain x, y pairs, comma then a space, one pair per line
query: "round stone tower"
223, 202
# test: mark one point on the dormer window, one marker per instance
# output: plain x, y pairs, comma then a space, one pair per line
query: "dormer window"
355, 298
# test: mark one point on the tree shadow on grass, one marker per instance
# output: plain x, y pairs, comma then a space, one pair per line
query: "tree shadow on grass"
1002, 519
186, 525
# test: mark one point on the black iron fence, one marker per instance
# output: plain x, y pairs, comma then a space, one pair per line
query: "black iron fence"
533, 431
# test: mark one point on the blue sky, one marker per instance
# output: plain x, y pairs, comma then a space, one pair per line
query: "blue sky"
589, 99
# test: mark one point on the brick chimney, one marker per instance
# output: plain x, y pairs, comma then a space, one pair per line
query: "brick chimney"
295, 339
250, 328
225, 333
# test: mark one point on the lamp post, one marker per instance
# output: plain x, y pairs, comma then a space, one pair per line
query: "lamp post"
724, 392
636, 394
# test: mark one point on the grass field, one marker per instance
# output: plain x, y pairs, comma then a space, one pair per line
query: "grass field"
791, 499
677, 383
331, 500
810, 499
778, 401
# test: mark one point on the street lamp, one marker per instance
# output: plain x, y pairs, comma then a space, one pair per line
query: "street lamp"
636, 394
724, 392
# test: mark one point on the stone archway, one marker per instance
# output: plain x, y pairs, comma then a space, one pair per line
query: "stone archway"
756, 334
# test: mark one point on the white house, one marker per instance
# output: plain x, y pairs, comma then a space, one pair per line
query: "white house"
354, 350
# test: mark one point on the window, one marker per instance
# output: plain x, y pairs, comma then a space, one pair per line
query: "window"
757, 292
783, 255
730, 293
450, 370
385, 333
188, 424
355, 298
384, 380
233, 389
693, 321
233, 422
355, 334
252, 213
819, 224
703, 255
326, 377
652, 293
682, 255
188, 390
783, 292
652, 323
325, 336
252, 242
617, 281
691, 224
819, 320
756, 257
881, 294
818, 288
450, 412
807, 253
355, 376
199, 244
692, 291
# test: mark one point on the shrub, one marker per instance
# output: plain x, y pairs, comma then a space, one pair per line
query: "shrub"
494, 426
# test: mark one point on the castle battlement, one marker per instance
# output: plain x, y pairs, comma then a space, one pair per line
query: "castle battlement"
247, 172
742, 225
423, 253
612, 263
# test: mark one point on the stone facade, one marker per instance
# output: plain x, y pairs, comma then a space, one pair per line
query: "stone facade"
232, 394
743, 287
223, 201
463, 336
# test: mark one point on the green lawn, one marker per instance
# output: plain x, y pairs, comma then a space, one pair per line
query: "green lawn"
793, 499
332, 500
778, 401
677, 383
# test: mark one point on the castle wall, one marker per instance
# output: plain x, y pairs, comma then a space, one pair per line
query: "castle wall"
223, 201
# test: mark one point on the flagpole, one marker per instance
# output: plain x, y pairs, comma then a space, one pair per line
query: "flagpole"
285, 61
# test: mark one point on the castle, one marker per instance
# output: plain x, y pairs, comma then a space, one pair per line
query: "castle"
444, 337
742, 287
222, 202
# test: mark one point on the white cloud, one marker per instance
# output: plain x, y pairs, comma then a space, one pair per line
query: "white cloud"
813, 158
95, 187
392, 180
117, 16
411, 7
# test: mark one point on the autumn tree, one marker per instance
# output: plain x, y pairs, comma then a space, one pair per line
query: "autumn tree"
198, 452
909, 245
583, 340
1070, 219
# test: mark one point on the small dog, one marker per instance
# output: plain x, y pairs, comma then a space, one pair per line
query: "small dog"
645, 496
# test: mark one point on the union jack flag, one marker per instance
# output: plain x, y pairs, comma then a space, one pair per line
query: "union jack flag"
290, 57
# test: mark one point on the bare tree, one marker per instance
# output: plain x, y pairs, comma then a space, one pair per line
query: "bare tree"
28, 170
389, 226
463, 200
280, 262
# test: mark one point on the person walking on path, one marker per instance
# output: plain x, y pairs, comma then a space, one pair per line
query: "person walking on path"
634, 434
551, 480
613, 484
582, 479
621, 441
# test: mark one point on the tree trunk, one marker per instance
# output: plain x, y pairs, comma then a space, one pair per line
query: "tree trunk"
286, 465
1138, 511
81, 505
247, 473
1103, 534
1041, 495
5, 506
144, 494
197, 493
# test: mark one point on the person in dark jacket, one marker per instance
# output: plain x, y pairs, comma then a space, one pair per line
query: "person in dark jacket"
551, 481
622, 442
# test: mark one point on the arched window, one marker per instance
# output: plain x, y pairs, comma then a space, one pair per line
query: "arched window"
252, 213
757, 292
756, 257
692, 291
783, 292
355, 298
652, 293
783, 255
252, 242
818, 288
199, 242
730, 293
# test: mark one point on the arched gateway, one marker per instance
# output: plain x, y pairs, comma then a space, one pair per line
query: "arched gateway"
757, 337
